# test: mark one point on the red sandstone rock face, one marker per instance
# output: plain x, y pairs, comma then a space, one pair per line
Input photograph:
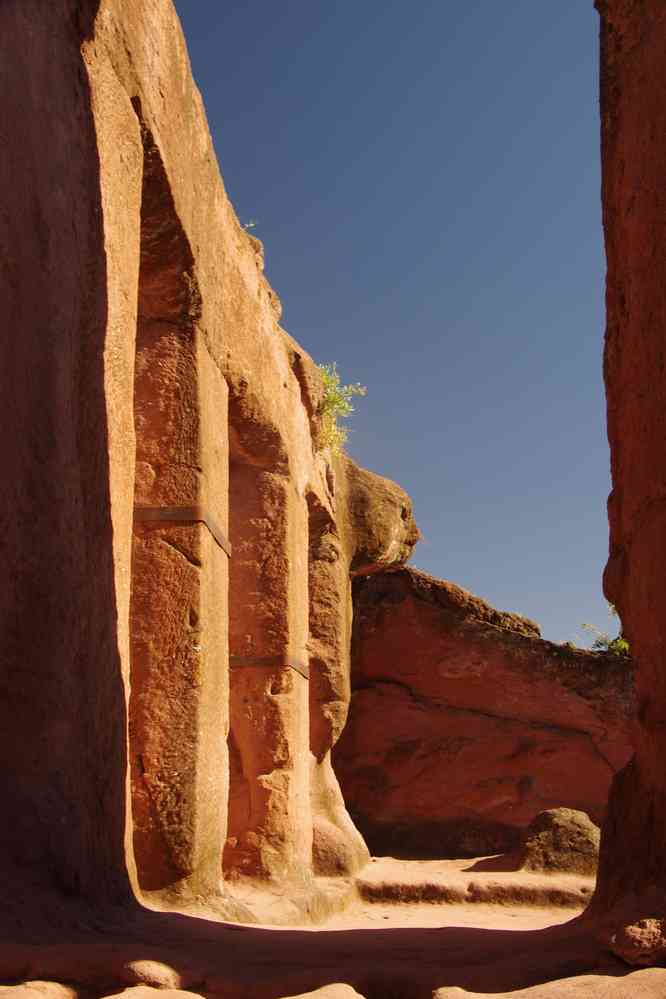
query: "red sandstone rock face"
63, 706
464, 724
378, 530
178, 607
381, 529
104, 132
632, 879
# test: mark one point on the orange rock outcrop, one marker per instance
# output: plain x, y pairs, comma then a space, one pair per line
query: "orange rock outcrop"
465, 724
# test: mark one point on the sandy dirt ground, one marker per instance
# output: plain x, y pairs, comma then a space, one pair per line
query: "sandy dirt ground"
485, 879
368, 915
474, 893
384, 949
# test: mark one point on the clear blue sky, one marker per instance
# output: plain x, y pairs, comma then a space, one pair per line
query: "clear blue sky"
425, 179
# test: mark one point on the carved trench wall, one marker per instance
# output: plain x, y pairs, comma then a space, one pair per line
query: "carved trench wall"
200, 416
146, 328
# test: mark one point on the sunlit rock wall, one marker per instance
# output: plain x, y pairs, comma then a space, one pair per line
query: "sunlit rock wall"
465, 724
177, 549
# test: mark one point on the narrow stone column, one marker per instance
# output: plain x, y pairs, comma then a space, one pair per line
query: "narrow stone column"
179, 580
269, 829
179, 694
338, 847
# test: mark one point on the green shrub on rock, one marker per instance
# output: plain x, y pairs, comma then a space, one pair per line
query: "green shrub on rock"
336, 405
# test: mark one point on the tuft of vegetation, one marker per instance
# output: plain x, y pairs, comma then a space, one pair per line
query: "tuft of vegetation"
602, 642
336, 405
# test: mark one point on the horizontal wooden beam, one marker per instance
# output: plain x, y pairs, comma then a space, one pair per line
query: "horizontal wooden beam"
184, 515
242, 662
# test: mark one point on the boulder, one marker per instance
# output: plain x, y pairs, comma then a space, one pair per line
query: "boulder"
641, 943
381, 527
561, 839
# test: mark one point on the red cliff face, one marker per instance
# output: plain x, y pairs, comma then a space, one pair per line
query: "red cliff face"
175, 614
465, 724
632, 880
176, 609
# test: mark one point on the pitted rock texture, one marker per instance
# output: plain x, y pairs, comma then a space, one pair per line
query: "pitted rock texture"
464, 724
160, 419
641, 943
560, 839
381, 521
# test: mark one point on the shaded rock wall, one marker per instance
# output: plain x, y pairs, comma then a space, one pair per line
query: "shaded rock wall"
177, 552
63, 704
465, 724
632, 881
176, 618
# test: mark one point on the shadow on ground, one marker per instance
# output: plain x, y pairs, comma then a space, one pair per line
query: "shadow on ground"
249, 962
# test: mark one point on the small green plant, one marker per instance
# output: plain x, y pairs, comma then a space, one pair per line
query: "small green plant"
602, 642
336, 405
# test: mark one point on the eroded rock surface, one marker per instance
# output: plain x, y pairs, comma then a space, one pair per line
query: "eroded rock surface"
560, 839
39, 990
192, 543
632, 871
642, 942
648, 984
464, 724
336, 991
145, 361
